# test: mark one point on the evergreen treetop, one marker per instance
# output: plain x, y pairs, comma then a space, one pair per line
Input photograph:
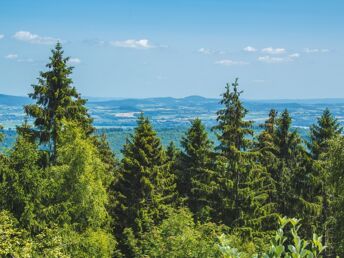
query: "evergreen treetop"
56, 99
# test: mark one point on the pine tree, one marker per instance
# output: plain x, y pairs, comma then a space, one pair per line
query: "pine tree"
244, 186
327, 127
146, 186
196, 174
56, 99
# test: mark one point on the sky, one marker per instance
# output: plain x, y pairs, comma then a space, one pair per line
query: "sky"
291, 49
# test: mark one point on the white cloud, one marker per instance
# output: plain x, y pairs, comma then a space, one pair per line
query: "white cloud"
294, 55
34, 38
132, 43
273, 60
74, 60
250, 49
316, 50
11, 56
207, 51
228, 62
274, 51
2, 36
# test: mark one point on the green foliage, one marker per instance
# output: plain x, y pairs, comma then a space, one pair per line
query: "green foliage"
23, 184
196, 174
179, 236
82, 181
327, 127
286, 243
244, 185
63, 192
144, 168
15, 242
334, 171
56, 100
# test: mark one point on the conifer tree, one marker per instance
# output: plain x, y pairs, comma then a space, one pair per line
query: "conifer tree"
334, 171
172, 152
56, 99
297, 182
146, 186
321, 133
243, 184
23, 184
326, 128
196, 174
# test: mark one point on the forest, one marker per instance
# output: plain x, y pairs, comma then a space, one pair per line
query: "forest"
64, 193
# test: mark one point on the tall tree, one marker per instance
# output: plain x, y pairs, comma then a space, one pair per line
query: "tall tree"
244, 185
334, 171
326, 128
56, 99
321, 133
197, 179
146, 185
23, 184
297, 181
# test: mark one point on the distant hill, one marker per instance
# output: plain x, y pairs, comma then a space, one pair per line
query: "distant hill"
169, 101
13, 100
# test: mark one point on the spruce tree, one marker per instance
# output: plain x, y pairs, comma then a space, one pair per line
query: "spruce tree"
297, 182
327, 127
321, 133
23, 184
196, 173
56, 99
146, 186
244, 186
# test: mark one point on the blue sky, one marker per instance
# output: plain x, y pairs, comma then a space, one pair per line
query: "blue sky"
278, 49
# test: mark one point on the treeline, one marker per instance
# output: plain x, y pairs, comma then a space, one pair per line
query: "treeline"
63, 193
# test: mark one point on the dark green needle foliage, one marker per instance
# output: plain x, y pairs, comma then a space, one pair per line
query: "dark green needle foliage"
146, 185
56, 99
324, 130
244, 185
197, 176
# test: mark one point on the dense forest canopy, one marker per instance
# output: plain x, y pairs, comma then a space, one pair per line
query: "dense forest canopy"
64, 193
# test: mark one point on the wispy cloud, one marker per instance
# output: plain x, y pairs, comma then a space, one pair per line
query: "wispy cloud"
2, 36
208, 51
294, 55
29, 37
273, 59
228, 62
11, 56
274, 51
74, 60
133, 43
316, 50
250, 49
